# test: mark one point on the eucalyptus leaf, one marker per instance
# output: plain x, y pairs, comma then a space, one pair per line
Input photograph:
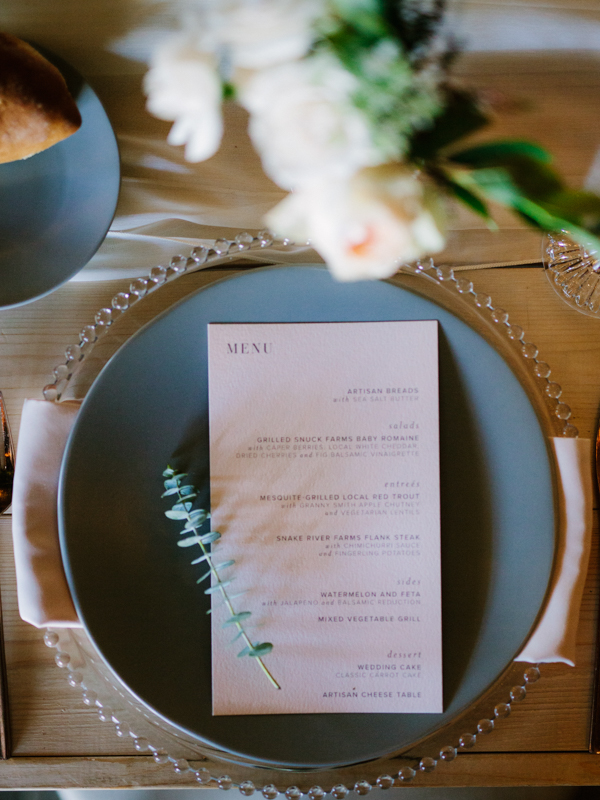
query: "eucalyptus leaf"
218, 586
182, 511
236, 618
209, 538
225, 564
183, 507
188, 542
176, 514
259, 650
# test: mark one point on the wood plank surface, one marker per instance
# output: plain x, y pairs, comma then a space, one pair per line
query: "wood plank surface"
59, 742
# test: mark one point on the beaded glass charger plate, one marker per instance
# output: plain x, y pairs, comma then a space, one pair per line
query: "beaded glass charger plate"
136, 593
56, 207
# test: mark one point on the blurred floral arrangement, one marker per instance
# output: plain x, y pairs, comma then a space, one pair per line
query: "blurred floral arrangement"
354, 111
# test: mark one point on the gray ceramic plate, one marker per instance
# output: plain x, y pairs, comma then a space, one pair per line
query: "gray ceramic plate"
135, 590
56, 207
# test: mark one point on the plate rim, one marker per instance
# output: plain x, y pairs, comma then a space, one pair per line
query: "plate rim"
240, 757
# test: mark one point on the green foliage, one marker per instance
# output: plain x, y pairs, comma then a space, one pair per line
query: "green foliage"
175, 486
519, 175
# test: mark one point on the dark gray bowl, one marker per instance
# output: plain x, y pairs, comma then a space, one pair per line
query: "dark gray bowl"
56, 207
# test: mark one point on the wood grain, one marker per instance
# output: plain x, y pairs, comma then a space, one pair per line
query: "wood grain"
58, 742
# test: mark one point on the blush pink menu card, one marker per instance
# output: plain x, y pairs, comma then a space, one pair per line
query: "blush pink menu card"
324, 458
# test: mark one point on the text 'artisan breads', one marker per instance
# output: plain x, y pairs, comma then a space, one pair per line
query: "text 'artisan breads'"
36, 109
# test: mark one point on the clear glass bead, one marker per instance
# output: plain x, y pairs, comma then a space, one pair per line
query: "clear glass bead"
72, 353
122, 729
158, 274
62, 659
339, 791
270, 791
50, 392
178, 264
362, 787
293, 793
139, 287
224, 782
500, 316
515, 332
427, 764
542, 370
74, 679
483, 300
141, 744
502, 710
444, 273
88, 334
265, 238
467, 740
105, 714
570, 430
203, 776
61, 372
529, 350
200, 254
316, 793
244, 240
247, 788
485, 726
120, 302
221, 247
385, 781
160, 758
181, 765
448, 753
464, 286
517, 693
406, 774
553, 390
532, 675
89, 697
562, 411
51, 638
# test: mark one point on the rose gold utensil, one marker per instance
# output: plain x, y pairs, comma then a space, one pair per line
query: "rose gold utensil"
594, 746
7, 459
7, 471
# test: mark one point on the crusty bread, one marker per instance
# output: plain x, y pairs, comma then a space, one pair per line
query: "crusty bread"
36, 109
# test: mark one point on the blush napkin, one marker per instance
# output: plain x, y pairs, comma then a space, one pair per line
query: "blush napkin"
43, 593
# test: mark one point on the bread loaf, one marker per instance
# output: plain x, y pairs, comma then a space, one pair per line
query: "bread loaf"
36, 109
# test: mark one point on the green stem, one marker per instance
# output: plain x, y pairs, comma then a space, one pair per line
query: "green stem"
225, 596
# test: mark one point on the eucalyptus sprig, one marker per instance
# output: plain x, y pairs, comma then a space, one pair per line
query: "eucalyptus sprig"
183, 511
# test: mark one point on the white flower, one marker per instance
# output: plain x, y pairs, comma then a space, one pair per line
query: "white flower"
260, 33
183, 85
367, 226
303, 122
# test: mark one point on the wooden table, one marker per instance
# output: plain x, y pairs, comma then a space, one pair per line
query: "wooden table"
58, 742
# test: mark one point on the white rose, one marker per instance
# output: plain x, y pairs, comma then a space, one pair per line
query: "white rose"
303, 123
183, 85
261, 33
367, 226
